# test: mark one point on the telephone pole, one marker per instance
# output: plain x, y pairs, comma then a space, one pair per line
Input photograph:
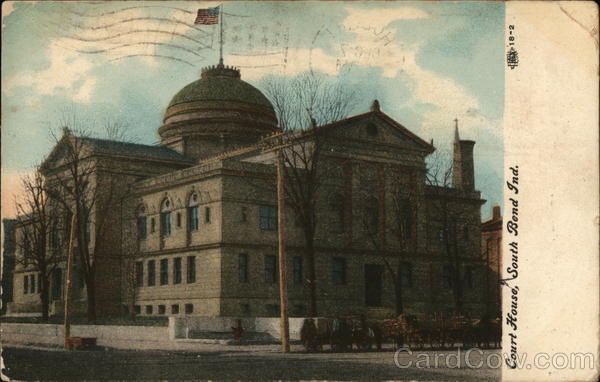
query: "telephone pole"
285, 329
69, 280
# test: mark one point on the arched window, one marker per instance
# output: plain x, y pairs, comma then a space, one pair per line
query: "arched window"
165, 218
141, 223
371, 215
193, 213
336, 212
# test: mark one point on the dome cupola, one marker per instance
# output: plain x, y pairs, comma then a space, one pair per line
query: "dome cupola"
216, 113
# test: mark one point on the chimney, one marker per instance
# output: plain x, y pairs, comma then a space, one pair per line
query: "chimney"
496, 213
463, 172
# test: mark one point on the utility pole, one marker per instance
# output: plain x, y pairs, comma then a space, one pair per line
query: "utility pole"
69, 279
285, 329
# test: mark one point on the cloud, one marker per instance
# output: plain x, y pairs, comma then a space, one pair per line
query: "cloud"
379, 18
66, 68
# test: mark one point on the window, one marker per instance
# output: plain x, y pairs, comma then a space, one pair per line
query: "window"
299, 310
207, 215
404, 221
137, 309
244, 215
297, 269
440, 235
268, 218
32, 284
469, 277
189, 308
193, 220
191, 269
447, 276
161, 309
245, 308
25, 284
175, 309
270, 269
272, 310
177, 270
39, 284
148, 309
141, 224
151, 273
178, 218
54, 237
372, 215
165, 218
165, 224
164, 271
139, 273
336, 210
243, 267
406, 275
152, 225
339, 270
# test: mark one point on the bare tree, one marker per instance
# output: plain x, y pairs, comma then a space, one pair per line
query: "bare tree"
405, 204
41, 233
302, 105
77, 184
439, 180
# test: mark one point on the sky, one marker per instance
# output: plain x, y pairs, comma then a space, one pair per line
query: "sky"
426, 62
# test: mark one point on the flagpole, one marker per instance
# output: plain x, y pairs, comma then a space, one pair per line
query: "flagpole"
221, 35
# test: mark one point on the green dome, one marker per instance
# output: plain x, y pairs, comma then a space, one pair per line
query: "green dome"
220, 84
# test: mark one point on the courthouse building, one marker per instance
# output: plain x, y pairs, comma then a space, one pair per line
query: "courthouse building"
195, 230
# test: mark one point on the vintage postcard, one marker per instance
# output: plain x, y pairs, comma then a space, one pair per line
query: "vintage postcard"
307, 190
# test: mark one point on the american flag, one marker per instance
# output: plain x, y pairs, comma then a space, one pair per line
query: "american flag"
207, 16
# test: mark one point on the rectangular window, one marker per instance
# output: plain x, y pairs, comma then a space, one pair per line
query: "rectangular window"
152, 225
151, 273
406, 274
243, 267
447, 276
148, 309
178, 219
469, 277
177, 270
191, 269
25, 284
175, 309
193, 220
189, 308
165, 224
137, 309
297, 269
268, 218
164, 271
207, 215
139, 273
141, 223
162, 309
270, 269
339, 270
244, 214
32, 284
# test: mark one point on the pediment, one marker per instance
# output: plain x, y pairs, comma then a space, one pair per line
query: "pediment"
59, 156
376, 128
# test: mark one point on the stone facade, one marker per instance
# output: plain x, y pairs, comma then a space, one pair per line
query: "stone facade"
195, 230
491, 253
